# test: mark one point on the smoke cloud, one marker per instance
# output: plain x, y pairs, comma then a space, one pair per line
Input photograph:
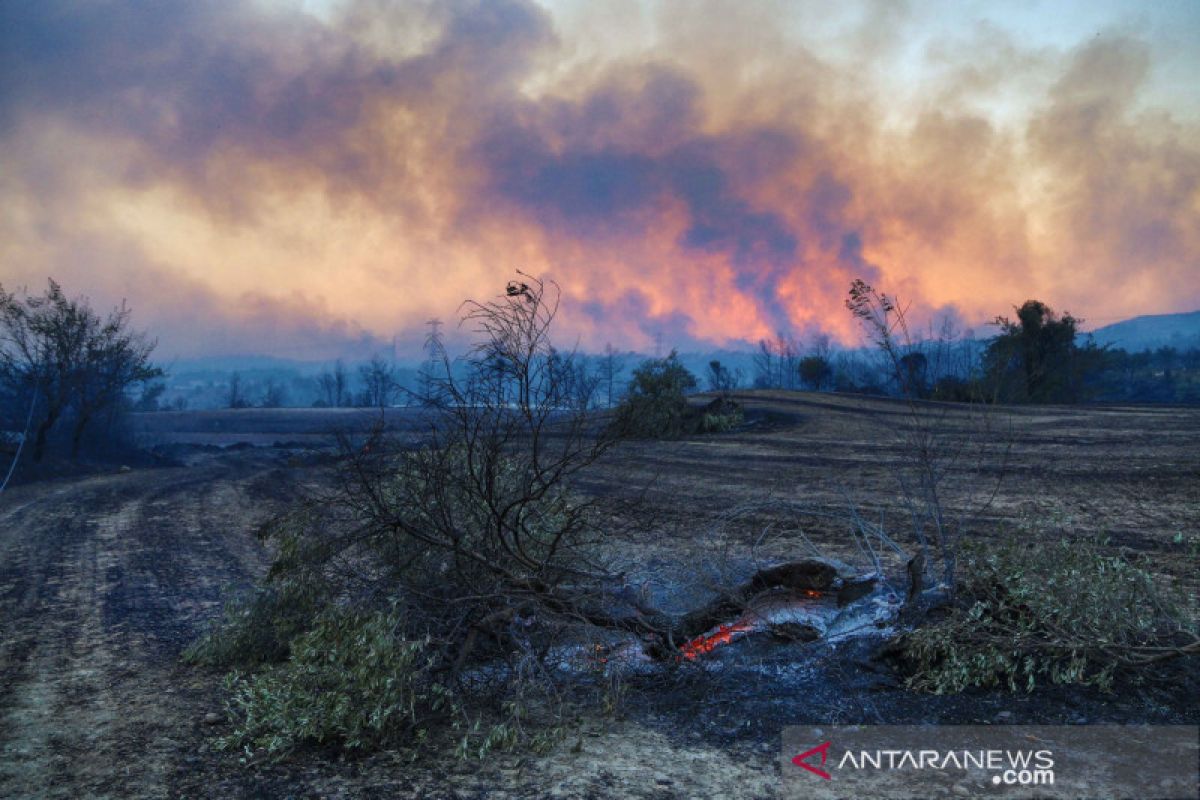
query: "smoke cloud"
263, 178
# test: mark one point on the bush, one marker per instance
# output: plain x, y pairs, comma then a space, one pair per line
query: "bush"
460, 563
719, 423
655, 406
1066, 613
718, 416
258, 628
957, 390
350, 681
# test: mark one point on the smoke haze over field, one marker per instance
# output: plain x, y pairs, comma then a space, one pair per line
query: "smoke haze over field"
306, 180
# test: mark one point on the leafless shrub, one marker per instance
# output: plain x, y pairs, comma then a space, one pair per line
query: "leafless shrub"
936, 441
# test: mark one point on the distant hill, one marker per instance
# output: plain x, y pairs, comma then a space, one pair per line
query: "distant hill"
1150, 332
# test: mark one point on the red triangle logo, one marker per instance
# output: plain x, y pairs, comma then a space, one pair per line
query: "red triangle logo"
801, 760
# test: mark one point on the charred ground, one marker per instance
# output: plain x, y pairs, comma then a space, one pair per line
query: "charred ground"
105, 579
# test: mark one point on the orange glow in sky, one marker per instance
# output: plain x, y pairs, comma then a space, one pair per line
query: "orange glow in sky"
310, 179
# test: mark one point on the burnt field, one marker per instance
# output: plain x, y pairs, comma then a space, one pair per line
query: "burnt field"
106, 578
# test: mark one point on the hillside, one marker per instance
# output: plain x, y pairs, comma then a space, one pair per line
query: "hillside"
1152, 331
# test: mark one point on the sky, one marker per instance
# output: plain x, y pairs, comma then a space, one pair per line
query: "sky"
311, 179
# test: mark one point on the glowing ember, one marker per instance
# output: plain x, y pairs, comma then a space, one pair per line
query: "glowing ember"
724, 634
754, 620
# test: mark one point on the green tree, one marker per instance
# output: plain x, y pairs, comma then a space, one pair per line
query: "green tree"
815, 372
655, 405
1035, 358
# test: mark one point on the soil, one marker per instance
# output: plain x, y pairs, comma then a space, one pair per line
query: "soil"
106, 577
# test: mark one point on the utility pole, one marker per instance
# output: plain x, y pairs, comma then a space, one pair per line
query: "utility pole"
434, 350
433, 340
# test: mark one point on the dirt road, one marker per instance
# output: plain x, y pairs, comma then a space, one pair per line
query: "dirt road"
103, 581
106, 579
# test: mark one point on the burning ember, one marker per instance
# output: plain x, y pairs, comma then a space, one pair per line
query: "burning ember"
798, 601
759, 617
724, 634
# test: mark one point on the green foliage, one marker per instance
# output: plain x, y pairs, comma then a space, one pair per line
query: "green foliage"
655, 406
350, 681
354, 681
719, 423
1066, 613
358, 678
815, 372
473, 541
1165, 375
1035, 358
259, 627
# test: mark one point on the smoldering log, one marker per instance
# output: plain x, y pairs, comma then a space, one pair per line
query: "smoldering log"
804, 577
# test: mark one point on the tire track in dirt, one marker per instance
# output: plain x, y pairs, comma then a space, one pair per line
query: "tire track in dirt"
104, 582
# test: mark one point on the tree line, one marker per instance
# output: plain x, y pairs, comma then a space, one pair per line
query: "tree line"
1036, 356
67, 371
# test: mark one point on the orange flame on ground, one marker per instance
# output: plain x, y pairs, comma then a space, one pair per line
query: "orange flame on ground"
708, 642
724, 634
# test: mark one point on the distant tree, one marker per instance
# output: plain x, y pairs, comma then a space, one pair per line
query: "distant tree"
776, 363
854, 373
274, 395
341, 383
151, 397
63, 358
655, 405
379, 383
815, 372
787, 351
327, 391
233, 392
914, 371
430, 375
1036, 359
816, 369
1168, 357
334, 386
764, 365
575, 385
721, 378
